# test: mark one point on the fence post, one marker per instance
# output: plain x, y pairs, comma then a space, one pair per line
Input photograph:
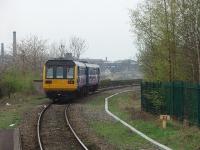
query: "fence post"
198, 98
141, 93
183, 99
171, 108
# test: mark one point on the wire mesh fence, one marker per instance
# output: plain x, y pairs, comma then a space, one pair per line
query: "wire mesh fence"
177, 99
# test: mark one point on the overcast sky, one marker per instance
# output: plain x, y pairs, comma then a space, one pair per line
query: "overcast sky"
103, 23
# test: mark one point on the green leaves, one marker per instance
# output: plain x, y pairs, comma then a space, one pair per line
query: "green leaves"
168, 34
15, 81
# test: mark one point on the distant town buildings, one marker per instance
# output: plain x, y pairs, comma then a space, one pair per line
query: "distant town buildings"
117, 70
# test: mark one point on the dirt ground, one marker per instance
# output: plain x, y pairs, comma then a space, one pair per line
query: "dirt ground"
28, 129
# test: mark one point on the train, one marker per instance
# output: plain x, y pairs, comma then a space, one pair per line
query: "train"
66, 78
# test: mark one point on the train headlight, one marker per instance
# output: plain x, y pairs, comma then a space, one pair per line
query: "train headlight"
48, 82
70, 81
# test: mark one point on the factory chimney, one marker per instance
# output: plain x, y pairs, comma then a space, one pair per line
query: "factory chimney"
2, 52
14, 44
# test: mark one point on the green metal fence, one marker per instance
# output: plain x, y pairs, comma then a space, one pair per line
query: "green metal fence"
178, 99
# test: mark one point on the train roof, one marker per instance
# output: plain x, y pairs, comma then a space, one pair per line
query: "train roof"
78, 63
92, 65
82, 64
72, 62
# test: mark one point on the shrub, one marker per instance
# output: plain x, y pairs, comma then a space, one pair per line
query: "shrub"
155, 101
14, 81
1, 94
105, 83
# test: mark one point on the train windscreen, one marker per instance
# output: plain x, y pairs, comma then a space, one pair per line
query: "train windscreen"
49, 73
60, 72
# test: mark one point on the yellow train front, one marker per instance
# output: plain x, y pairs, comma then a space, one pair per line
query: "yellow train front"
64, 78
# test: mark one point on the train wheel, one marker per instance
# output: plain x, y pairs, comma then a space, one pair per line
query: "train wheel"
86, 91
55, 100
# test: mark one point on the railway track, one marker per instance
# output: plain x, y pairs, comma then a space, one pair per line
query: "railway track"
43, 144
71, 138
72, 130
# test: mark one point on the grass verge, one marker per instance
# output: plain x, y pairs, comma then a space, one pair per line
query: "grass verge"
110, 130
17, 106
127, 107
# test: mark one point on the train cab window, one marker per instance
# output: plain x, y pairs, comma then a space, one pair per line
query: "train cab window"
59, 72
70, 72
49, 73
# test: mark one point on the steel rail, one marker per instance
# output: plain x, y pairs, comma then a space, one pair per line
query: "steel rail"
39, 125
72, 130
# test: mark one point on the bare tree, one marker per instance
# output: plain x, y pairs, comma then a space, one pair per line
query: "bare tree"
31, 54
57, 50
63, 48
77, 46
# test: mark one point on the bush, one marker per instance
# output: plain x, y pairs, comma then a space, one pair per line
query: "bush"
109, 83
1, 94
105, 83
14, 81
156, 101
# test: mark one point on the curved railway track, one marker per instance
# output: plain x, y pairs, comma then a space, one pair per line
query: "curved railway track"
39, 126
39, 130
46, 107
73, 131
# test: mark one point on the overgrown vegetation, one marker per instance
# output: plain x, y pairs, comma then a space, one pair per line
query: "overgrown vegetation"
13, 81
168, 33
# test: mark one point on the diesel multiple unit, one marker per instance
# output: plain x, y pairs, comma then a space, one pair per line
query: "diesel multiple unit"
66, 77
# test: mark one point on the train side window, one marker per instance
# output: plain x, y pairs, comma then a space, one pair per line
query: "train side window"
82, 71
91, 71
70, 72
59, 72
49, 73
95, 71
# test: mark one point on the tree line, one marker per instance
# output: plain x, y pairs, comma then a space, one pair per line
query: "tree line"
168, 39
17, 72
